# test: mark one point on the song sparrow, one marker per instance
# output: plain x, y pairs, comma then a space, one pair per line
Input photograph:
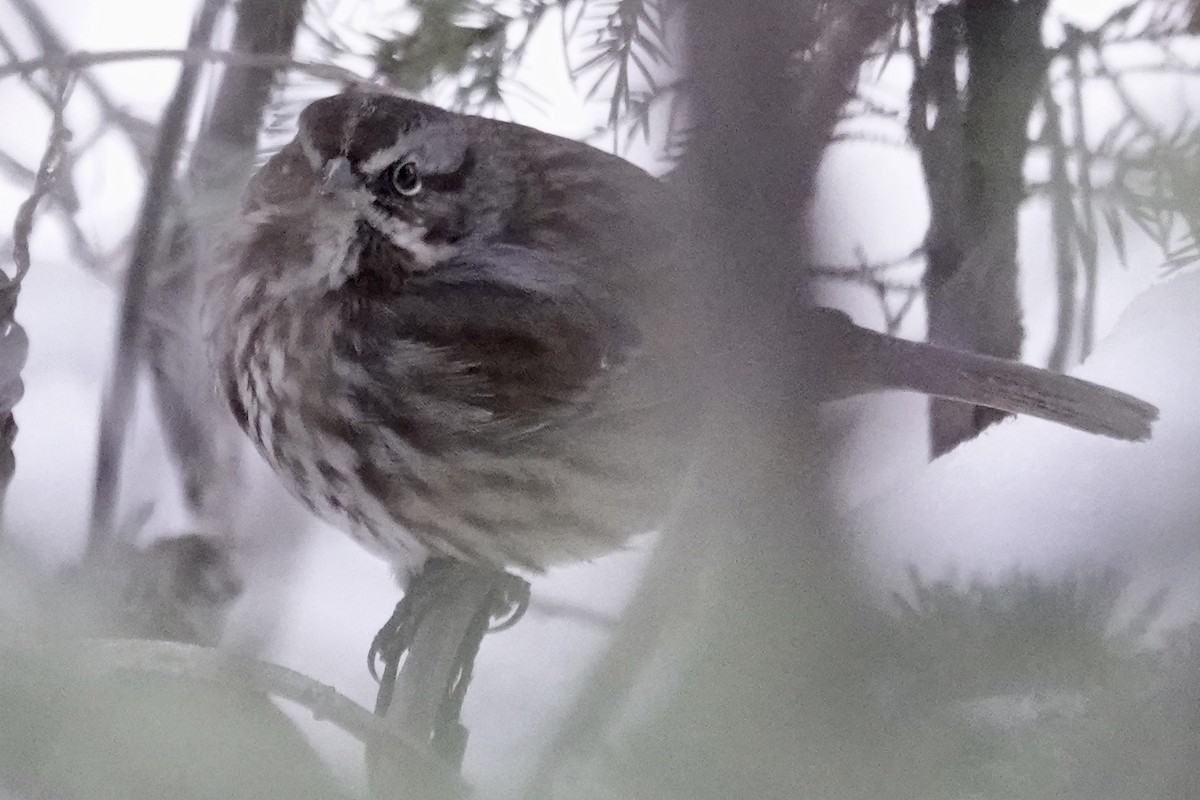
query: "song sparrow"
460, 335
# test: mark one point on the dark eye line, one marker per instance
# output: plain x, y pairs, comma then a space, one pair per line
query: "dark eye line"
446, 182
450, 181
430, 181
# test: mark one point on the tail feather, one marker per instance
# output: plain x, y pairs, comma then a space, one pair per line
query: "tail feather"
1006, 386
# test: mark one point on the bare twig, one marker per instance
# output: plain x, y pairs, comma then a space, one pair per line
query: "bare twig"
118, 400
893, 318
37, 88
1087, 215
877, 139
1162, 23
864, 278
918, 96
53, 44
62, 199
13, 342
870, 275
1062, 228
853, 272
83, 59
1132, 108
576, 614
20, 174
43, 182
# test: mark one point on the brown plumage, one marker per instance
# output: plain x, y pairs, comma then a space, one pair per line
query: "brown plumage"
462, 368
454, 334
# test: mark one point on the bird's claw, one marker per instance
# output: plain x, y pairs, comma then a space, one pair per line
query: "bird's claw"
511, 605
511, 600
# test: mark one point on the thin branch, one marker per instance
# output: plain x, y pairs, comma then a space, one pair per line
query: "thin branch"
1163, 25
893, 319
43, 182
18, 173
53, 44
1062, 228
14, 345
1171, 67
84, 59
1132, 108
37, 88
63, 199
576, 614
117, 406
865, 278
1087, 215
874, 139
867, 274
918, 96
854, 272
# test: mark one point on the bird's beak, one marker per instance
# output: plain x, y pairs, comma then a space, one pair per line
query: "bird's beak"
339, 177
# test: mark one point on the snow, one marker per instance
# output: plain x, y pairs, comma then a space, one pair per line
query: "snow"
1045, 498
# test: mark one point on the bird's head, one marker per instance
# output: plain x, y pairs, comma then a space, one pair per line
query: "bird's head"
374, 181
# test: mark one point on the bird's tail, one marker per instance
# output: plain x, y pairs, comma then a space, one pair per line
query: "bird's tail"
1003, 385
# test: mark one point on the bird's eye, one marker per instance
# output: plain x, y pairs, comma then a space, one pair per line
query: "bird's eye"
403, 178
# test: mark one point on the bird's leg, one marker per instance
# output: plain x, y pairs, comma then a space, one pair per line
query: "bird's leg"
440, 624
393, 639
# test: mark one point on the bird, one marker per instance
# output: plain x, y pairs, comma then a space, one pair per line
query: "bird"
435, 328
460, 337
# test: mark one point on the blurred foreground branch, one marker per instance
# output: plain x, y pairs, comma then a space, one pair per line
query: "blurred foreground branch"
117, 408
199, 432
207, 665
751, 692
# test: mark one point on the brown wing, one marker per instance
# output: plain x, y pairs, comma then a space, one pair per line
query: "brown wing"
499, 339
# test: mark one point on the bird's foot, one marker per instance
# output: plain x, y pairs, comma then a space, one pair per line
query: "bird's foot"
437, 582
393, 639
512, 601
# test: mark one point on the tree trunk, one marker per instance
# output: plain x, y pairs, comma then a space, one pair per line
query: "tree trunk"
974, 159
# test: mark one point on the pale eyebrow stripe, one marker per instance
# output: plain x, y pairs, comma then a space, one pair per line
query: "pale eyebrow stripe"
384, 157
